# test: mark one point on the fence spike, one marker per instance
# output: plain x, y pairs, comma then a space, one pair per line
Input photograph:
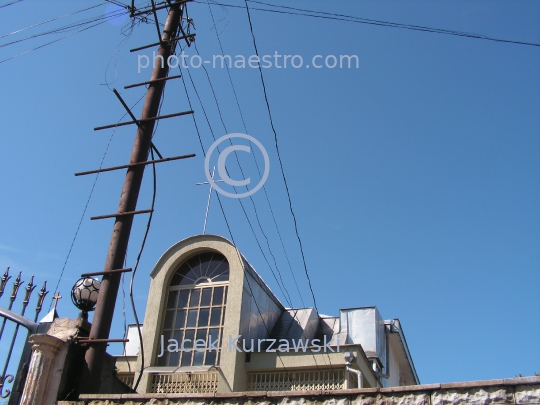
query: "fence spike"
41, 298
16, 284
29, 289
3, 282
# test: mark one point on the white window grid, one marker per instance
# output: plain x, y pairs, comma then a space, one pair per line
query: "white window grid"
194, 312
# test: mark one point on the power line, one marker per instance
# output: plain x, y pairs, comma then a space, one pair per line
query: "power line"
254, 159
286, 293
49, 43
202, 148
67, 28
227, 222
52, 19
9, 4
283, 172
241, 204
87, 203
360, 20
70, 27
279, 159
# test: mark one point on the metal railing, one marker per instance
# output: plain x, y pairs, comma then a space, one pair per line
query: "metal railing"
126, 378
6, 314
185, 382
312, 380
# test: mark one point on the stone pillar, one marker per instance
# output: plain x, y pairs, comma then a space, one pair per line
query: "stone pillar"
44, 371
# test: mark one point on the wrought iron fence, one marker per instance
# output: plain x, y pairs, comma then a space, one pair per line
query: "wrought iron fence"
12, 375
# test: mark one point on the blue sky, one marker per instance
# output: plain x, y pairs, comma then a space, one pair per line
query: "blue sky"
414, 178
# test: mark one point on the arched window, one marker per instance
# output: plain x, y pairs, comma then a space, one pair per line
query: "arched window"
196, 301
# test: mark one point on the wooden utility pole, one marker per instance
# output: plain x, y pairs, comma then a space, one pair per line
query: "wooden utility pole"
102, 320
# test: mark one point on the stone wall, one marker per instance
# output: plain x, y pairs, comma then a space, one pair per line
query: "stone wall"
517, 391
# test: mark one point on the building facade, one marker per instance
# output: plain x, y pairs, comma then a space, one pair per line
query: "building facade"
212, 325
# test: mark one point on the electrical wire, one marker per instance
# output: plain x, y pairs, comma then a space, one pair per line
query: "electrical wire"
254, 159
133, 273
279, 159
283, 171
69, 27
88, 201
202, 148
282, 287
287, 296
53, 19
227, 222
10, 4
49, 43
404, 26
95, 21
124, 312
116, 54
360, 20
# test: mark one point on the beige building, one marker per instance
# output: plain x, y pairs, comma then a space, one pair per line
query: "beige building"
212, 325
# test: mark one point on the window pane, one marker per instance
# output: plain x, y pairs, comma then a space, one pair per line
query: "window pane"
188, 279
198, 358
213, 334
195, 264
210, 358
192, 318
203, 317
206, 295
186, 359
183, 300
176, 278
218, 296
168, 320
206, 259
180, 319
194, 300
178, 337
216, 266
189, 336
201, 334
174, 357
187, 270
216, 317
222, 277
162, 361
172, 299
226, 291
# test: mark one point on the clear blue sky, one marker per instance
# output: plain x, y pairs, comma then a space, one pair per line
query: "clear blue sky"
415, 178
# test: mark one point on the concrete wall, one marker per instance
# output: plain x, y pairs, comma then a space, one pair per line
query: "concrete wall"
518, 391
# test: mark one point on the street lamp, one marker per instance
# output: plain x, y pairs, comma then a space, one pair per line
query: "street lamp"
84, 295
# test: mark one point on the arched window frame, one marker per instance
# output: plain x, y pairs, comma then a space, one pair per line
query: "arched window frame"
195, 311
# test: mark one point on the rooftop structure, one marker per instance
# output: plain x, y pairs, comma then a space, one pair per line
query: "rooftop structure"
212, 325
